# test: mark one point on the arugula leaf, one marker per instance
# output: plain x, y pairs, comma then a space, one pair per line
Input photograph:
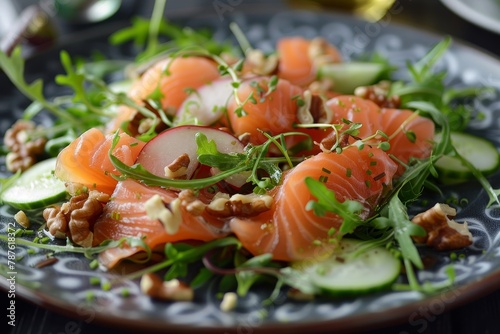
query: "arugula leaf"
397, 216
493, 193
13, 67
422, 69
299, 280
76, 81
88, 251
210, 156
188, 255
427, 85
138, 172
203, 276
146, 34
327, 202
247, 278
445, 146
137, 32
234, 164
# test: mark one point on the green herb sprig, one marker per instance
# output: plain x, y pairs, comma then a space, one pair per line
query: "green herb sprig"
230, 164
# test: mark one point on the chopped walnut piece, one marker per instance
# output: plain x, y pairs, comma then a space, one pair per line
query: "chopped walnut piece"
314, 110
239, 205
56, 222
140, 124
82, 219
378, 93
304, 115
176, 290
244, 138
145, 125
261, 64
229, 58
443, 233
24, 150
192, 204
177, 169
46, 262
75, 218
322, 86
17, 162
99, 196
74, 188
318, 52
22, 219
330, 140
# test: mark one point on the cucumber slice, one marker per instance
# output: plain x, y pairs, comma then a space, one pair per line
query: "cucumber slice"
35, 188
480, 152
344, 275
348, 76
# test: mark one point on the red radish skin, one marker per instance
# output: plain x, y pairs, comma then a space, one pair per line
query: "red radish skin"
169, 145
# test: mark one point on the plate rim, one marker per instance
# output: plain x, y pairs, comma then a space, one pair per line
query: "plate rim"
374, 320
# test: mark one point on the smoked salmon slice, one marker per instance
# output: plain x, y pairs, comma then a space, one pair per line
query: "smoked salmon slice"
125, 216
85, 161
271, 111
290, 232
299, 57
174, 78
410, 135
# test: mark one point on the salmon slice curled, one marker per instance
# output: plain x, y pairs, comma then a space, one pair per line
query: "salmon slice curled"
409, 134
125, 216
86, 160
290, 232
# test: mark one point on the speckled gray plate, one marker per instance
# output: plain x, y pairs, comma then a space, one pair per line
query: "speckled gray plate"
64, 286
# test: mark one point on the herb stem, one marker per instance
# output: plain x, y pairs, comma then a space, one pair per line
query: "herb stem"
240, 37
154, 27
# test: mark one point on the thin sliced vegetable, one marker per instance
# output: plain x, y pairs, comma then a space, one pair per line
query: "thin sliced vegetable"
35, 188
480, 152
347, 77
347, 274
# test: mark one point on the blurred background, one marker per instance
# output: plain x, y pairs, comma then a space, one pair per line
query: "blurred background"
44, 22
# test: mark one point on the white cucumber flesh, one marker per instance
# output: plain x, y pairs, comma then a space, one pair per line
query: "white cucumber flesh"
343, 275
348, 76
480, 152
36, 188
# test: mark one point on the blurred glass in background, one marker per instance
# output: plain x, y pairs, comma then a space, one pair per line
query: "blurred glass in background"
36, 22
371, 10
85, 11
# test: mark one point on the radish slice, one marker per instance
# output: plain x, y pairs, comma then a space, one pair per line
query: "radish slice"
207, 104
173, 143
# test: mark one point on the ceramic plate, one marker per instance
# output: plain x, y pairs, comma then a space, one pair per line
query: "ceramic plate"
484, 13
64, 286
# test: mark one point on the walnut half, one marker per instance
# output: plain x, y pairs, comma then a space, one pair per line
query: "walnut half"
443, 233
75, 218
175, 290
223, 206
24, 145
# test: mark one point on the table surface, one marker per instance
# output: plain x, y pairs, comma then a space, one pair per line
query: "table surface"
479, 316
